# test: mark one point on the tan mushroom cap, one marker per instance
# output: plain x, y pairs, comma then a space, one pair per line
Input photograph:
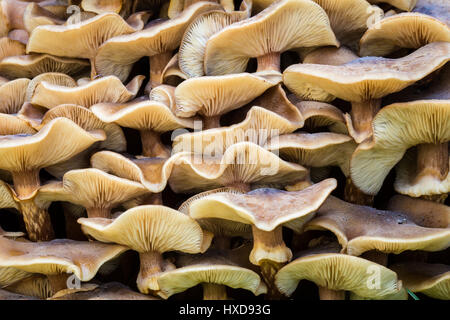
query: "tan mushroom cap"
425, 213
90, 188
349, 19
6, 295
172, 75
141, 115
215, 95
435, 8
31, 65
365, 78
330, 55
284, 25
11, 125
193, 45
102, 6
13, 95
213, 269
360, 229
117, 55
106, 291
259, 125
320, 114
242, 163
10, 276
82, 39
150, 228
45, 148
9, 47
405, 30
106, 89
153, 173
402, 294
315, 149
36, 285
35, 15
165, 94
406, 5
398, 127
81, 258
337, 271
7, 198
264, 208
432, 280
56, 78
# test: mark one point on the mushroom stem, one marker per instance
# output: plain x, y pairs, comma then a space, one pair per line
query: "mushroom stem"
269, 61
354, 195
98, 212
37, 220
362, 114
93, 69
328, 294
57, 282
212, 291
151, 264
152, 145
211, 122
157, 64
270, 253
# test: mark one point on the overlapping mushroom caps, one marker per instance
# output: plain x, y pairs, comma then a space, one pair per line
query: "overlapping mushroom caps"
284, 25
266, 210
405, 5
364, 81
150, 230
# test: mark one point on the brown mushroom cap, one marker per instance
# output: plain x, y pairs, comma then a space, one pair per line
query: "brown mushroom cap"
360, 229
320, 114
394, 133
405, 30
106, 89
284, 25
432, 280
56, 78
406, 5
81, 258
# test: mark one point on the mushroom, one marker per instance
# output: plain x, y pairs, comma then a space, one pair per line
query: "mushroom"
431, 279
9, 47
364, 82
213, 96
284, 25
24, 155
82, 39
157, 41
434, 8
398, 127
150, 230
405, 30
13, 95
58, 258
172, 75
266, 210
214, 270
97, 191
334, 273
405, 5
6, 295
57, 78
102, 6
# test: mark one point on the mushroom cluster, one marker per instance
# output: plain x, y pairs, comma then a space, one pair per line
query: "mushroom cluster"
250, 149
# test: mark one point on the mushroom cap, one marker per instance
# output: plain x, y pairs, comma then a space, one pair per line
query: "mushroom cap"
432, 280
172, 75
106, 89
31, 65
57, 141
7, 198
365, 78
330, 55
425, 213
217, 95
9, 47
398, 127
35, 15
315, 149
81, 258
13, 95
320, 114
266, 209
90, 188
406, 5
336, 271
210, 268
102, 6
150, 228
117, 55
259, 125
6, 295
405, 30
435, 8
36, 285
106, 291
10, 275
284, 25
80, 40
243, 162
349, 19
153, 173
57, 78
141, 115
193, 45
360, 229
